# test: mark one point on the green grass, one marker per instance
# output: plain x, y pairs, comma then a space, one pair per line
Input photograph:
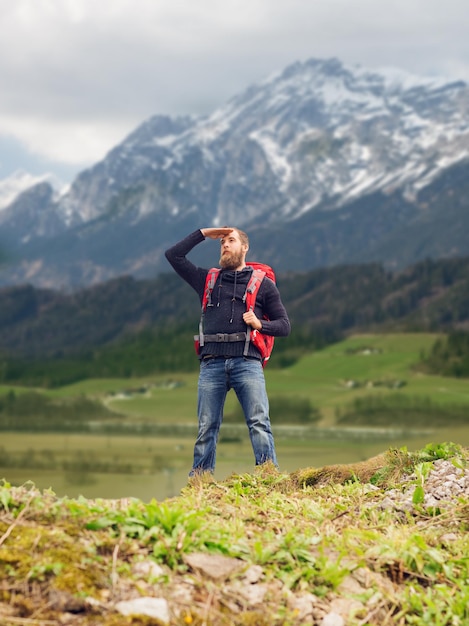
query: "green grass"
321, 375
261, 548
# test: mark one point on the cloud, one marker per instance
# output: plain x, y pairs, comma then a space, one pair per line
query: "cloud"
78, 75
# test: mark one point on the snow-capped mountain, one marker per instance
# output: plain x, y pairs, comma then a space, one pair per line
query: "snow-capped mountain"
12, 186
317, 132
302, 152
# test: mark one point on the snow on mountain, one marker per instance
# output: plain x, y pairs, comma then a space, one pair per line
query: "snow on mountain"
14, 185
368, 130
317, 132
384, 127
314, 137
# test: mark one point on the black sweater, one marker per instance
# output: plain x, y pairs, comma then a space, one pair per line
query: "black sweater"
226, 314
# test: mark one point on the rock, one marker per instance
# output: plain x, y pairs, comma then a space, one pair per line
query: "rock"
253, 574
345, 607
444, 484
333, 619
151, 607
148, 569
367, 578
253, 594
216, 566
350, 585
303, 605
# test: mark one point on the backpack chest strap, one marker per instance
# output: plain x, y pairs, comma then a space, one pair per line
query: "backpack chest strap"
225, 337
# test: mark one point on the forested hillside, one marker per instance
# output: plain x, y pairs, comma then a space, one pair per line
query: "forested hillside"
128, 327
432, 295
449, 356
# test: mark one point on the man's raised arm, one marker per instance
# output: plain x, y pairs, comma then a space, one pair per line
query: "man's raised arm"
215, 233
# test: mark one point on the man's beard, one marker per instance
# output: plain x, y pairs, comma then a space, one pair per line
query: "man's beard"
231, 260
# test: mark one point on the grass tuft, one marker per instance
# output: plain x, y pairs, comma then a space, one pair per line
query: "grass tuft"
361, 471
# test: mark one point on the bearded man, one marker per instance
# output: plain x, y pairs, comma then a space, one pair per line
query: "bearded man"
224, 361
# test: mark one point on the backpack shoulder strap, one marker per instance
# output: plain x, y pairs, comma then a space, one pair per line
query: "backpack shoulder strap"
252, 288
210, 281
249, 297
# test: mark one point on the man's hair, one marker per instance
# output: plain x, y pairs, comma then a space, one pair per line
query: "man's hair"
242, 235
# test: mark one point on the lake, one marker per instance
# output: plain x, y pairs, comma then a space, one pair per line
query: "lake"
103, 466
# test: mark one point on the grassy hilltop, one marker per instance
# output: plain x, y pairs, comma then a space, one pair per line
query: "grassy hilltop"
362, 544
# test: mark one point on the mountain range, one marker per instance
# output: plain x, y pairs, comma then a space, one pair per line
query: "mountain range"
322, 163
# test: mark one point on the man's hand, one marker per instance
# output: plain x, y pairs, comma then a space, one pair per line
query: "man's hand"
252, 320
216, 233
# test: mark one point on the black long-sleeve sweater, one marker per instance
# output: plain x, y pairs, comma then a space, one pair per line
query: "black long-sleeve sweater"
226, 314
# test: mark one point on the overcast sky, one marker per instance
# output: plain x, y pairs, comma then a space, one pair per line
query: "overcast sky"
76, 76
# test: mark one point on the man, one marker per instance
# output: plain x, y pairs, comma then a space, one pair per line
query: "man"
222, 363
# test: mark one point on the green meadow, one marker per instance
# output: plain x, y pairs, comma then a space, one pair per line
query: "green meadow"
148, 464
323, 377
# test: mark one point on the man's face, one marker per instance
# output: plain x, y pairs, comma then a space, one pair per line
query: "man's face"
233, 252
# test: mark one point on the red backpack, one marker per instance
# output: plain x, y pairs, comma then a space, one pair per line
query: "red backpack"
264, 343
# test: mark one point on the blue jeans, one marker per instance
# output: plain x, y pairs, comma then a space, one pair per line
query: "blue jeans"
246, 377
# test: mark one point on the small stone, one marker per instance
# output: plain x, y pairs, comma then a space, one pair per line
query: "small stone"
151, 607
345, 606
350, 585
367, 578
148, 569
303, 605
215, 566
333, 619
253, 594
253, 574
